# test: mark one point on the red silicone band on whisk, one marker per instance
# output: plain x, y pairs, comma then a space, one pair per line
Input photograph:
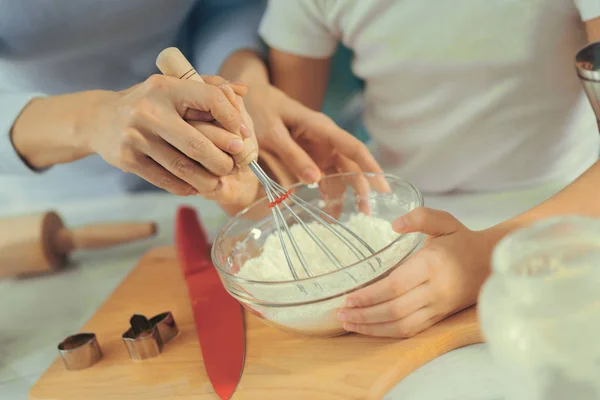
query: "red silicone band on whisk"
281, 198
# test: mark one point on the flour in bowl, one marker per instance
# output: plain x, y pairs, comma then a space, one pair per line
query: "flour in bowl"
310, 306
271, 264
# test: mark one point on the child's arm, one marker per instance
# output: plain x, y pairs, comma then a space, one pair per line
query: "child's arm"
302, 78
445, 276
301, 45
593, 29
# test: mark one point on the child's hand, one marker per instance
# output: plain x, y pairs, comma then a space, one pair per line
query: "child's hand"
442, 278
307, 141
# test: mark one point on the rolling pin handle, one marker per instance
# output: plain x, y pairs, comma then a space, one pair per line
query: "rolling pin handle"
102, 236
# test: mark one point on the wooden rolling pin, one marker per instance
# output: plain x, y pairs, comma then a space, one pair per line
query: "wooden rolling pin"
40, 243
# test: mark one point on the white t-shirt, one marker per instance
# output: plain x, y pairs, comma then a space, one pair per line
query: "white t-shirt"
461, 95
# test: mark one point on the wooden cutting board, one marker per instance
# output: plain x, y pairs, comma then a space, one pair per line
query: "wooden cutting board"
278, 365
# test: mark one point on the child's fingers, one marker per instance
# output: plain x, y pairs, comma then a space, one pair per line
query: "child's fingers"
403, 328
359, 183
293, 155
355, 151
389, 311
332, 193
403, 279
335, 137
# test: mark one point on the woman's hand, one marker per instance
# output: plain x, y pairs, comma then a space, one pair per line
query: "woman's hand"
442, 278
238, 190
143, 130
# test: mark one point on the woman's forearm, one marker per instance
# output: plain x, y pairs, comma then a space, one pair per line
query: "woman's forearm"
48, 130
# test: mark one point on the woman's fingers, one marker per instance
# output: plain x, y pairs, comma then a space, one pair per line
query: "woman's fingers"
232, 96
181, 166
404, 278
225, 141
195, 115
150, 170
248, 130
194, 144
402, 328
239, 88
243, 152
202, 97
149, 137
392, 310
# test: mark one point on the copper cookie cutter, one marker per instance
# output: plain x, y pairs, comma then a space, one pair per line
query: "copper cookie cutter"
146, 337
80, 351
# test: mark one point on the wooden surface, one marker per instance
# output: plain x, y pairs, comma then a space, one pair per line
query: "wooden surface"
278, 365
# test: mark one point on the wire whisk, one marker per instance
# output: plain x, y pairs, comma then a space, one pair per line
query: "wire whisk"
280, 198
173, 63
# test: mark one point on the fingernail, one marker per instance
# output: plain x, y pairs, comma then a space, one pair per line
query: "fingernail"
349, 327
245, 131
385, 186
399, 224
310, 175
342, 316
350, 303
235, 146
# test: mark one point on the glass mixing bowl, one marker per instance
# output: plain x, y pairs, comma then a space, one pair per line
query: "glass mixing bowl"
309, 306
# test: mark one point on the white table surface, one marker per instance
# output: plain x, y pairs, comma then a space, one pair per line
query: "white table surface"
37, 313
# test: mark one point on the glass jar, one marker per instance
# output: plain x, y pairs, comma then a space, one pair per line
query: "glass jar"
540, 310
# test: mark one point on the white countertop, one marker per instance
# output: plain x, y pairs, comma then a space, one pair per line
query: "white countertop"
37, 313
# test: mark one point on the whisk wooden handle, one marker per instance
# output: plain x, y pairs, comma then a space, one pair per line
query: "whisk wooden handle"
172, 62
